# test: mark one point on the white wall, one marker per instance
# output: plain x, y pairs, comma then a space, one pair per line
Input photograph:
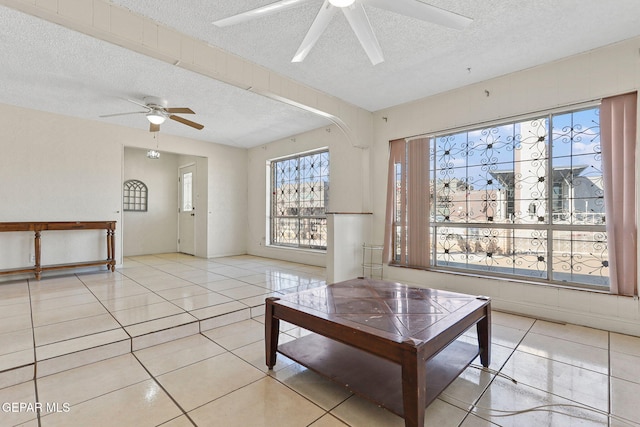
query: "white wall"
156, 230
58, 168
348, 181
222, 186
608, 71
346, 235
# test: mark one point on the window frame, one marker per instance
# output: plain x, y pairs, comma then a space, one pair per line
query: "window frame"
550, 226
314, 220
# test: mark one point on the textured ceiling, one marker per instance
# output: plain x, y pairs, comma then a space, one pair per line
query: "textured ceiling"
51, 68
420, 58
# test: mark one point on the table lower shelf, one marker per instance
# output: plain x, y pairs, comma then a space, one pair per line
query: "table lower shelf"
110, 264
373, 377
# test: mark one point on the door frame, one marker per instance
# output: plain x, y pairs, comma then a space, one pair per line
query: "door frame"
195, 199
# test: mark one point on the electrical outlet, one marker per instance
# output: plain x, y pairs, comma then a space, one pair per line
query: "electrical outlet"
32, 258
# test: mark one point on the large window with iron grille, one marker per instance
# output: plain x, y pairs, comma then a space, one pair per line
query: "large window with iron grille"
522, 199
299, 198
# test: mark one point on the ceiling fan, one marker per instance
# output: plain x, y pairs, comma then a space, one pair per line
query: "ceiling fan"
354, 12
157, 111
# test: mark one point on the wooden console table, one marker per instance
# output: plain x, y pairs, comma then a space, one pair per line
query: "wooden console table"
39, 227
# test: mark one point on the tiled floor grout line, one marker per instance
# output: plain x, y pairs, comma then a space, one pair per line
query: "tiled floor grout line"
497, 373
35, 358
108, 311
154, 292
514, 346
195, 284
270, 373
121, 326
132, 352
609, 403
185, 413
586, 407
226, 394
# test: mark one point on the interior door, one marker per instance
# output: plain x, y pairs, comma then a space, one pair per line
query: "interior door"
187, 210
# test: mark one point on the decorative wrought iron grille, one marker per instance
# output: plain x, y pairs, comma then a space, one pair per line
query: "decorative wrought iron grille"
135, 196
522, 199
299, 197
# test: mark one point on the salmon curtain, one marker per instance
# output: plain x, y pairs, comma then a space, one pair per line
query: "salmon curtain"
418, 202
407, 215
618, 137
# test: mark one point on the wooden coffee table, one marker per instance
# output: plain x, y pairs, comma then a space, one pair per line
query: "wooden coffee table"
390, 343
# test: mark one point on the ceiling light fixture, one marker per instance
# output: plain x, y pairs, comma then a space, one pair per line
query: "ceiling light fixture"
342, 3
154, 154
156, 117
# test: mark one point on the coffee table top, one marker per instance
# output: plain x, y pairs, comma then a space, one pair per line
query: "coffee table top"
392, 310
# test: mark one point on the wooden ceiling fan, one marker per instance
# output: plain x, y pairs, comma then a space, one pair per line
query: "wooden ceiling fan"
354, 12
157, 111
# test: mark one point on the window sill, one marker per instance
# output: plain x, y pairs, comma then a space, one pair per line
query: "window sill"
305, 250
506, 279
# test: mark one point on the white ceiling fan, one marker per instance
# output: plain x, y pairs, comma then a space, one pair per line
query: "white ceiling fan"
354, 12
157, 111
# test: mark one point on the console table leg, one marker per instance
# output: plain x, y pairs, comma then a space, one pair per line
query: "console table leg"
111, 250
484, 337
272, 329
37, 249
414, 389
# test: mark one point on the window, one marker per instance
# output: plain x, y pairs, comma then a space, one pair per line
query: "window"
299, 198
135, 196
187, 192
522, 199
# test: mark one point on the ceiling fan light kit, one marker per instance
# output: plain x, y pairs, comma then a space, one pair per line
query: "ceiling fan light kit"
156, 117
356, 16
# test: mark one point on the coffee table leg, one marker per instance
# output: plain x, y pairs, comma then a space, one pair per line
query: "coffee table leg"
414, 389
271, 331
484, 337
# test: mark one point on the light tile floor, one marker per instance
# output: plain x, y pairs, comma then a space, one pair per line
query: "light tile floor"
174, 340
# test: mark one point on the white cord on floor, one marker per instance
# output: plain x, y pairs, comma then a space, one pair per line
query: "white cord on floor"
494, 372
540, 408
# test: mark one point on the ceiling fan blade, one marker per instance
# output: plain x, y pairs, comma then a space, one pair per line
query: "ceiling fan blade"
259, 12
186, 122
179, 110
423, 11
362, 27
123, 114
315, 31
153, 128
139, 103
